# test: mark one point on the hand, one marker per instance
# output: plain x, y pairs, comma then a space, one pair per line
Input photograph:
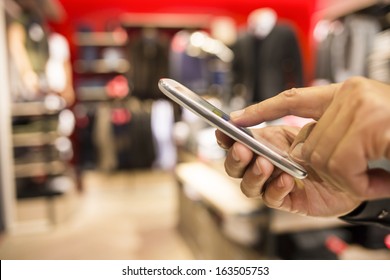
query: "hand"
352, 129
260, 179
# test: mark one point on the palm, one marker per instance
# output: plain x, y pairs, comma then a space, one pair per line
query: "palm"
317, 198
313, 196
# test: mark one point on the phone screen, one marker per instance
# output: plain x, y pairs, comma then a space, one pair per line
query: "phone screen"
216, 117
212, 108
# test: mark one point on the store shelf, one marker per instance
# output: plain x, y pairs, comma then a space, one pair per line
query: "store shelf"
109, 39
101, 66
34, 108
33, 139
97, 93
100, 72
39, 169
45, 192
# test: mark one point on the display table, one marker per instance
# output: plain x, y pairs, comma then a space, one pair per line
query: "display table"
219, 222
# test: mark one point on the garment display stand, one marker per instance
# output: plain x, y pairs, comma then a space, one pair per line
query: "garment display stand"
116, 119
41, 173
34, 170
353, 43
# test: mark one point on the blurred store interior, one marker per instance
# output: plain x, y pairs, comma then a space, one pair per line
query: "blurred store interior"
96, 163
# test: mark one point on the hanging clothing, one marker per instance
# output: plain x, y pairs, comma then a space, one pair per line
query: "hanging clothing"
190, 70
351, 47
123, 135
267, 66
379, 58
323, 68
148, 63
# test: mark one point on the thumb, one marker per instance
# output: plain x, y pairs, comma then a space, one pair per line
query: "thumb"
296, 147
295, 151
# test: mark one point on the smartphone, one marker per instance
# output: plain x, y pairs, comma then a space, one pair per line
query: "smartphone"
217, 118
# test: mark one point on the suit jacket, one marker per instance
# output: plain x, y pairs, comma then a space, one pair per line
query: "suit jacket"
269, 65
149, 62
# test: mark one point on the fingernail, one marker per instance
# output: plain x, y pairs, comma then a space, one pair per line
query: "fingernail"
257, 168
222, 145
236, 114
296, 153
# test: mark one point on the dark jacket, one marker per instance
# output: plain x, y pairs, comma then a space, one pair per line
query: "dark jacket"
269, 65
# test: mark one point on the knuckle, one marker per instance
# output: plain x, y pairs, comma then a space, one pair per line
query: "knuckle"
315, 159
355, 81
334, 167
289, 93
290, 96
356, 86
255, 109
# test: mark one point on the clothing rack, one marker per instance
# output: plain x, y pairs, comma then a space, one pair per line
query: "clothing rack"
334, 9
356, 42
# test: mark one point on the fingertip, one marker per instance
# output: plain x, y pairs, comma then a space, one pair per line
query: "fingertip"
218, 134
224, 141
236, 114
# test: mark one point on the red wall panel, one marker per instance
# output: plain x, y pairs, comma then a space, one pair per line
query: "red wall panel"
97, 12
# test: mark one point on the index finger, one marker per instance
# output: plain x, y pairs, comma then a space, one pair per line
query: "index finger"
309, 102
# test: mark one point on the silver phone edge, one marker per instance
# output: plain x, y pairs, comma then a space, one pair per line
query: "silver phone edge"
281, 162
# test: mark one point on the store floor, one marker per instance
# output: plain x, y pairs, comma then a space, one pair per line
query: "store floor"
128, 215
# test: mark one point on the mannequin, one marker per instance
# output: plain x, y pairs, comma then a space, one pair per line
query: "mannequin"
224, 29
267, 58
59, 69
261, 22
